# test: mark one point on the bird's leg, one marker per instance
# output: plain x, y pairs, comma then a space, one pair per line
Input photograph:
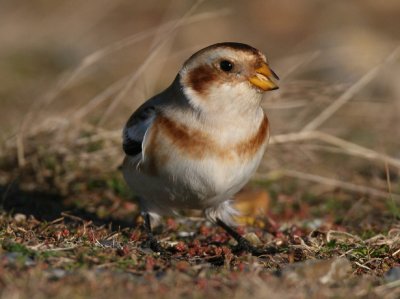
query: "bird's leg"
243, 244
152, 242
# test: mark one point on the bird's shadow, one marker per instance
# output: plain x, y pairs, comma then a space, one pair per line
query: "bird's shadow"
47, 206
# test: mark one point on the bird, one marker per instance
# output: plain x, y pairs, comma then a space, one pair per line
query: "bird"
197, 143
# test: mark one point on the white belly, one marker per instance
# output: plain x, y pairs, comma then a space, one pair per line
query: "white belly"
191, 167
190, 184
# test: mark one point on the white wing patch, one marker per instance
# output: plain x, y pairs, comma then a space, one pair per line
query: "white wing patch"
135, 130
138, 130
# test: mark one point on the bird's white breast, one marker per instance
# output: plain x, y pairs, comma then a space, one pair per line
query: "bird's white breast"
183, 168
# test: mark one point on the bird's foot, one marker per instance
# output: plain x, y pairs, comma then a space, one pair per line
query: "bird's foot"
155, 246
245, 246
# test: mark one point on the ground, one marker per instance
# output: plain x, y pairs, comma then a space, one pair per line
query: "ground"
85, 239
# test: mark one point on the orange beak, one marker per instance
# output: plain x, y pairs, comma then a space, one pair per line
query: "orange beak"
263, 78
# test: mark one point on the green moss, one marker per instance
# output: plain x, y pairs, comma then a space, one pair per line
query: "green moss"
11, 246
393, 208
94, 146
118, 185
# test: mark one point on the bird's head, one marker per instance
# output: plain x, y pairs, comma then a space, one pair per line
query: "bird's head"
226, 76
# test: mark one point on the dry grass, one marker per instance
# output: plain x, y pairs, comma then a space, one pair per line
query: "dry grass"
331, 171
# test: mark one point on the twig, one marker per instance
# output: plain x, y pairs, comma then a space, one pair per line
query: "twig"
286, 105
136, 75
20, 150
154, 73
60, 249
329, 182
100, 98
112, 89
331, 233
363, 266
68, 78
349, 93
355, 207
309, 58
388, 286
350, 147
113, 135
130, 40
73, 217
396, 253
159, 45
57, 220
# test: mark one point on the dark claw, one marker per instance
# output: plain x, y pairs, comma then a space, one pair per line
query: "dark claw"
152, 242
155, 245
243, 244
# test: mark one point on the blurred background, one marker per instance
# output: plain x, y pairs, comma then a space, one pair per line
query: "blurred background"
72, 72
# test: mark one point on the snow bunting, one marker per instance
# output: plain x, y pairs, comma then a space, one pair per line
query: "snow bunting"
197, 143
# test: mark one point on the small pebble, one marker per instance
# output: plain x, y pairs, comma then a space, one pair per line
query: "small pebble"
253, 239
56, 273
185, 234
19, 217
392, 275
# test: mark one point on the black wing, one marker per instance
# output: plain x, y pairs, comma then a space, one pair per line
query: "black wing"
136, 128
143, 117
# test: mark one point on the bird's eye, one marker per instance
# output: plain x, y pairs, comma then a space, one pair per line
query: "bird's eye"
226, 65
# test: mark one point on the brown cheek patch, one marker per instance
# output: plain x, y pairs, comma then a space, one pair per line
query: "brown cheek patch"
200, 78
246, 149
